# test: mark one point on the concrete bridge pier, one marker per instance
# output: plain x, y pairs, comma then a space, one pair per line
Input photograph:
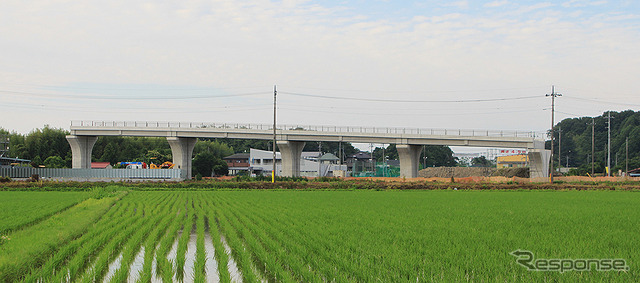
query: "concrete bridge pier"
409, 156
81, 148
539, 162
290, 152
182, 152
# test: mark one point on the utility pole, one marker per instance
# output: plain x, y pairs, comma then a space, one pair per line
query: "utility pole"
553, 110
424, 157
273, 168
340, 152
593, 143
319, 155
609, 144
384, 162
626, 158
559, 147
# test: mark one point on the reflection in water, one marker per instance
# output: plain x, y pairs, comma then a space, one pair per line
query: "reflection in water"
234, 272
173, 253
190, 258
211, 265
135, 269
113, 267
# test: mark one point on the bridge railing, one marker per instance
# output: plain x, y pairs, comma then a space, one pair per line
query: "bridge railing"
301, 127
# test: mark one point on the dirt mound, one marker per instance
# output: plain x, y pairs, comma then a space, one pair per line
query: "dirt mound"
463, 172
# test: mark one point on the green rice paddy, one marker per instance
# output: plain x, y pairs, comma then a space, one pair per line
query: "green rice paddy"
319, 236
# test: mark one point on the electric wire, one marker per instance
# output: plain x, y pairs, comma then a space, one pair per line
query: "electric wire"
104, 97
409, 101
601, 101
408, 114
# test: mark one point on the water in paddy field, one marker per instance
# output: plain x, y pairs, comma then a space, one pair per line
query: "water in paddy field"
234, 272
113, 267
190, 257
154, 265
173, 253
136, 266
211, 265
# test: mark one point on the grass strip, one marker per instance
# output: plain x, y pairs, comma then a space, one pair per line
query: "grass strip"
77, 246
30, 247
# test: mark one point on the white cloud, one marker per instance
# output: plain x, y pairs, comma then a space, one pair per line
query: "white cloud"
498, 3
463, 4
305, 47
582, 3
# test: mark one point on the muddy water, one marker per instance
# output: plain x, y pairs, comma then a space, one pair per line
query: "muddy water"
234, 272
135, 269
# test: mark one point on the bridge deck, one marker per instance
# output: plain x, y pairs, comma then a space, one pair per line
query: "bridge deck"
414, 136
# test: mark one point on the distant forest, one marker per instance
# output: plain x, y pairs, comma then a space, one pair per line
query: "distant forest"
575, 149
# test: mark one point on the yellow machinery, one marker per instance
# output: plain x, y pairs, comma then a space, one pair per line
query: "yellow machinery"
166, 165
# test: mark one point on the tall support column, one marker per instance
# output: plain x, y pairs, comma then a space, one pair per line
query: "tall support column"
409, 159
539, 162
81, 148
182, 151
291, 152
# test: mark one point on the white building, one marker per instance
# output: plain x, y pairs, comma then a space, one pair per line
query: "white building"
261, 162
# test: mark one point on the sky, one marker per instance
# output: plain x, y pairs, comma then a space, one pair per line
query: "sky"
408, 64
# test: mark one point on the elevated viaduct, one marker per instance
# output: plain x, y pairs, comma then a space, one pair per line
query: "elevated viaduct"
290, 139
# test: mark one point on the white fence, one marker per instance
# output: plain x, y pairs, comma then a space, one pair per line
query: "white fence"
27, 172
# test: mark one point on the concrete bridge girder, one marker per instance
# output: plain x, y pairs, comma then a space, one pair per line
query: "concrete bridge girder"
294, 135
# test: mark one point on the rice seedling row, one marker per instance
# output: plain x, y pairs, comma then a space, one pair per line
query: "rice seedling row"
333, 236
15, 215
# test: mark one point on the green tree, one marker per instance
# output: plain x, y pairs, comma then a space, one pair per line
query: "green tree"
481, 162
110, 154
47, 142
218, 149
54, 162
220, 167
203, 163
36, 161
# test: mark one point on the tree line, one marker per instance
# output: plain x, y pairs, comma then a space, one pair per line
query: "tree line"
574, 146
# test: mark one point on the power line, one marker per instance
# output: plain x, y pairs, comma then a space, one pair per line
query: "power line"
150, 88
104, 97
129, 110
419, 91
401, 108
602, 101
408, 101
410, 114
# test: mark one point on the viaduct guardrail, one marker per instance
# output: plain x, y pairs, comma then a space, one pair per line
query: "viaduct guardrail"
317, 128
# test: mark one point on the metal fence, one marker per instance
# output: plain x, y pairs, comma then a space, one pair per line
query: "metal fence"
300, 127
27, 172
